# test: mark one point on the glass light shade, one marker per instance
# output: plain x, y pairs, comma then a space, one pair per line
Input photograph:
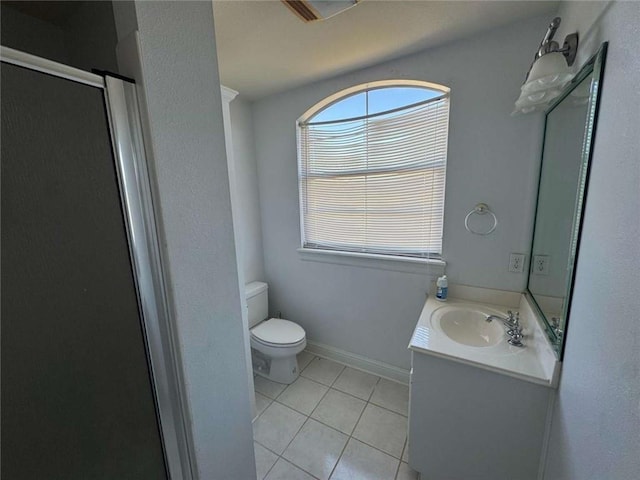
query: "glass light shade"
547, 77
549, 71
535, 101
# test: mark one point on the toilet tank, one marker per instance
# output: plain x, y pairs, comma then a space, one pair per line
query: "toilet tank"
257, 302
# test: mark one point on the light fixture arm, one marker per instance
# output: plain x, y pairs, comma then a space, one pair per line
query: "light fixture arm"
548, 37
548, 45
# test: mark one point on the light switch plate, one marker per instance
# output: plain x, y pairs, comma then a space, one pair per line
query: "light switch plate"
540, 265
516, 262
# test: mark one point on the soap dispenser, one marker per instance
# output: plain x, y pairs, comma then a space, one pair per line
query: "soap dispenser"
443, 287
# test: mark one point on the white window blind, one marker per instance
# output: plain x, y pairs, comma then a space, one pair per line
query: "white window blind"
375, 183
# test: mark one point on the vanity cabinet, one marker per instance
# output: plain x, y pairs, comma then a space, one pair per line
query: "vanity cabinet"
468, 423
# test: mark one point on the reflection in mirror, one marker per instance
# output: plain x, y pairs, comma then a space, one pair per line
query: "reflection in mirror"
566, 152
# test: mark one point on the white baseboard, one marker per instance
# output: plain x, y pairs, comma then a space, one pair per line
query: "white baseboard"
359, 362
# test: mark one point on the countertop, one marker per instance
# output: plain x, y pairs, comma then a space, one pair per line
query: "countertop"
534, 363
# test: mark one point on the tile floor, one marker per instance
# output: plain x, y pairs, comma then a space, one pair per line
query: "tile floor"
333, 422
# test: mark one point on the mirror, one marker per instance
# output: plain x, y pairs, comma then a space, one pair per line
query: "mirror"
569, 129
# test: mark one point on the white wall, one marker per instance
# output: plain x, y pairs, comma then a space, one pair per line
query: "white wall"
248, 217
185, 129
493, 158
596, 422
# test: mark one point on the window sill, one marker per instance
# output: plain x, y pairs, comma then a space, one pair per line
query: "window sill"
423, 266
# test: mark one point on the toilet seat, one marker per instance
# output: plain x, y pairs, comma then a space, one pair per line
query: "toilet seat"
277, 332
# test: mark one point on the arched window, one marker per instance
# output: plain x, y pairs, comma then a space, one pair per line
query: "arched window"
371, 169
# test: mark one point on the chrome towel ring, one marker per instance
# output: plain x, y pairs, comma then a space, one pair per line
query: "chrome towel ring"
480, 209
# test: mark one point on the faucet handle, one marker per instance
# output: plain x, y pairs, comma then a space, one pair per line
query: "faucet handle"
516, 341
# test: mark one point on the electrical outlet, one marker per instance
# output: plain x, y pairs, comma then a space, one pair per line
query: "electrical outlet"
540, 265
516, 262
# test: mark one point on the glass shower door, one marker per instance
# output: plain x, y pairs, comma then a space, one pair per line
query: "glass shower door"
77, 395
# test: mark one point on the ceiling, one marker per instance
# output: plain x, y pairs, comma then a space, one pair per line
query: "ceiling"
263, 48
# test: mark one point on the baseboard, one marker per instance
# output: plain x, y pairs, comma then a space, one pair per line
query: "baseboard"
359, 362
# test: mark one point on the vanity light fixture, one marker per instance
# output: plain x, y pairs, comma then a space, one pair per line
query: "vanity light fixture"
549, 72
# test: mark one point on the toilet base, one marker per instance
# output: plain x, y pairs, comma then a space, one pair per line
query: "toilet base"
280, 370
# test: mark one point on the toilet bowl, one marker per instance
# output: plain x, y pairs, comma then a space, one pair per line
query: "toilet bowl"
275, 342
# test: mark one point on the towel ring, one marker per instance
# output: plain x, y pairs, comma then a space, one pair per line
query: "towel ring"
480, 209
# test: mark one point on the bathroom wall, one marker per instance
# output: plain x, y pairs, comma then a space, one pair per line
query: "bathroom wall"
595, 430
185, 131
248, 219
493, 158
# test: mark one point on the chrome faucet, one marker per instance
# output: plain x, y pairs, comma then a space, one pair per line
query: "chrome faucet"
514, 329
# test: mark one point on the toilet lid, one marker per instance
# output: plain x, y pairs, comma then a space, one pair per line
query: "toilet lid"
277, 330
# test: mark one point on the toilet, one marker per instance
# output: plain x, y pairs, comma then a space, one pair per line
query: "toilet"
275, 342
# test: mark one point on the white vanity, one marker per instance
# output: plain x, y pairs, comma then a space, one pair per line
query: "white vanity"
478, 405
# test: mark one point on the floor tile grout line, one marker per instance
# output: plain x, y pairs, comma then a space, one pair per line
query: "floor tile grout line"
398, 382
314, 408
305, 367
354, 429
401, 454
289, 444
264, 446
318, 404
375, 448
325, 394
260, 414
368, 372
349, 436
387, 409
360, 398
274, 464
406, 445
265, 395
379, 379
381, 406
347, 442
296, 434
339, 431
278, 457
298, 411
321, 423
272, 400
299, 468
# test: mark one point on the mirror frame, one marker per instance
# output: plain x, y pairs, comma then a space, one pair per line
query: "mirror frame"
595, 66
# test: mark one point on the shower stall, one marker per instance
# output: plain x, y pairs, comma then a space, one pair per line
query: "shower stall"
90, 384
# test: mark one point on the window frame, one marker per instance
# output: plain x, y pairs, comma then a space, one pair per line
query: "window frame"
347, 256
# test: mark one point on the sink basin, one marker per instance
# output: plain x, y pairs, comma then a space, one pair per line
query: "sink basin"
468, 326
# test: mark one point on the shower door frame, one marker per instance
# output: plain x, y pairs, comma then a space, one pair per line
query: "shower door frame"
125, 132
